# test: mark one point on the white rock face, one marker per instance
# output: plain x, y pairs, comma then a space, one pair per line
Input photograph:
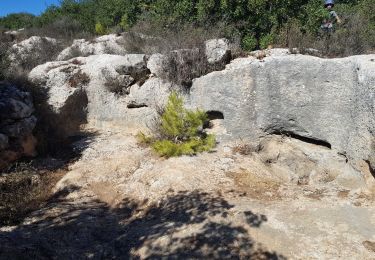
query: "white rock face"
107, 44
105, 98
217, 50
158, 64
153, 93
32, 52
330, 101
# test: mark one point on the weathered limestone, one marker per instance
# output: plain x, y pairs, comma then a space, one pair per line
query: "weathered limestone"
107, 44
327, 101
217, 51
31, 52
116, 93
158, 64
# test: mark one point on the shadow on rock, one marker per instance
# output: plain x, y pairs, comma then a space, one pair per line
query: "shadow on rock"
183, 225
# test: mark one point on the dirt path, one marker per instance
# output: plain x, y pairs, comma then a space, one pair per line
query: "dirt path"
120, 201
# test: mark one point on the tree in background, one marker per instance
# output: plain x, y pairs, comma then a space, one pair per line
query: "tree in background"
258, 23
17, 21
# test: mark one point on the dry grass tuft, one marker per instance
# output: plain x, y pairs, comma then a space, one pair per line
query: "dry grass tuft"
245, 148
250, 185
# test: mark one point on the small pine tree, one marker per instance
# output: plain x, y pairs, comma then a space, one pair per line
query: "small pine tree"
181, 131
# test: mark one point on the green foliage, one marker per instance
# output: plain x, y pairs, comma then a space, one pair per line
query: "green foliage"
177, 123
266, 40
144, 139
193, 146
17, 21
249, 43
180, 131
100, 29
257, 22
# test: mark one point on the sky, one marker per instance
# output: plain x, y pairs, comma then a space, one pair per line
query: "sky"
29, 6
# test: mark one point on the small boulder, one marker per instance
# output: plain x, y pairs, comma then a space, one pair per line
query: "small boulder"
158, 65
154, 93
217, 51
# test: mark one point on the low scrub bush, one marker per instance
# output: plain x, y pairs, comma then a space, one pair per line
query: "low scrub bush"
4, 60
244, 148
179, 131
79, 79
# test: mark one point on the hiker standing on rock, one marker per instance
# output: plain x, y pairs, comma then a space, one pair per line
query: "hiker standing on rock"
331, 17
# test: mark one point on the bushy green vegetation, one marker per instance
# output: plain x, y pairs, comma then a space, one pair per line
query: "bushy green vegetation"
179, 131
258, 23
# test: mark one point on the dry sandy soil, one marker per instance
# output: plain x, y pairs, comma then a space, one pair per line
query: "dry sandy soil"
120, 201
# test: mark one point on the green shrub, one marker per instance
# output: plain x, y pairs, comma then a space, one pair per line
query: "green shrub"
100, 29
180, 131
195, 145
266, 41
249, 43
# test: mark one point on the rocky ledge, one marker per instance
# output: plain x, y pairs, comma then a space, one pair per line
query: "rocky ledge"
325, 102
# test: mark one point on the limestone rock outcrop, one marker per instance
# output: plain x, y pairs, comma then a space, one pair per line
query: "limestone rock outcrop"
107, 44
326, 102
31, 52
329, 102
17, 123
115, 90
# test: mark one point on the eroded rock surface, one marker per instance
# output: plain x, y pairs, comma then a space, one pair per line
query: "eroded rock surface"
329, 102
107, 44
326, 102
17, 122
119, 200
31, 52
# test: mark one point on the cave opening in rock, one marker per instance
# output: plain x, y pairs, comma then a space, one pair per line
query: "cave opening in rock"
212, 115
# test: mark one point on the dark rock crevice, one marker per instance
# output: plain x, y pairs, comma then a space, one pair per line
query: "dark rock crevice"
212, 115
305, 139
134, 105
371, 168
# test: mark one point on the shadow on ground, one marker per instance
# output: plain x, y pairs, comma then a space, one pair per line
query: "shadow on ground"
26, 184
162, 230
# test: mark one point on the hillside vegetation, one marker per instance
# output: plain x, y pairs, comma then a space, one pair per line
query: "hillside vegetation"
253, 23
